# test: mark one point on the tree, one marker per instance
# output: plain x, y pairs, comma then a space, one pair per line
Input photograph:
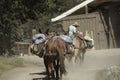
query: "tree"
16, 13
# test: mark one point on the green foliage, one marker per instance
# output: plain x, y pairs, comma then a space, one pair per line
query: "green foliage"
18, 17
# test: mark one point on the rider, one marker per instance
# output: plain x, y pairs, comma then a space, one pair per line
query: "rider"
72, 32
72, 29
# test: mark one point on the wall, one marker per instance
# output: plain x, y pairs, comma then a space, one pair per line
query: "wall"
90, 22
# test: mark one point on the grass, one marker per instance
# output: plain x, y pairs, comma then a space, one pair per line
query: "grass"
10, 63
14, 62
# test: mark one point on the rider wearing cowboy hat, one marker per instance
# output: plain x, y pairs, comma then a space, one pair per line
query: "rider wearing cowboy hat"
72, 32
72, 29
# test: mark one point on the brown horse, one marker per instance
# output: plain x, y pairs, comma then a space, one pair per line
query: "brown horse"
53, 52
54, 57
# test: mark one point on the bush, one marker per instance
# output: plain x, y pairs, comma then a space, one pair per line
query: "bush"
111, 73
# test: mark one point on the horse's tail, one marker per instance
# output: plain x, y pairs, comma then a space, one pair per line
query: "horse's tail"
62, 65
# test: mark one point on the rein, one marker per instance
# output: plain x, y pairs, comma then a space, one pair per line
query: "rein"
82, 40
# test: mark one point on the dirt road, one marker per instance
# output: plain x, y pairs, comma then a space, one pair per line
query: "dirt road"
93, 63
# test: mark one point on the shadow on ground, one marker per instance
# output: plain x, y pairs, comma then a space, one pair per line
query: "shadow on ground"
45, 78
42, 73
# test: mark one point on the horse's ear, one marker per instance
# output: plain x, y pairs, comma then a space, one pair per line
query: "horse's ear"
47, 31
68, 30
40, 30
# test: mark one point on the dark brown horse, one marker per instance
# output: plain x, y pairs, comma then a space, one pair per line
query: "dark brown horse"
53, 52
54, 58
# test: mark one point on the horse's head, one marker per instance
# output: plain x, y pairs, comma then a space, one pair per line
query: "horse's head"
85, 41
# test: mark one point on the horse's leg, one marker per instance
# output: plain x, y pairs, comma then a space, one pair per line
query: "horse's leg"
74, 59
82, 53
47, 67
81, 57
56, 67
52, 70
61, 73
60, 76
75, 56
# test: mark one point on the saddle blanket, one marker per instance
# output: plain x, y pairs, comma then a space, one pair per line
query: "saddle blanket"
39, 38
66, 38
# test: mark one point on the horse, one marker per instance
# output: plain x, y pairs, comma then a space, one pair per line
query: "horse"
81, 44
54, 58
53, 52
79, 49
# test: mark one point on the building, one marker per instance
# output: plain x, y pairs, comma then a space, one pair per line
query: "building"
99, 16
22, 48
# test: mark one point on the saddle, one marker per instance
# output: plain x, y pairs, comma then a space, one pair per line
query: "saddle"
38, 45
68, 40
39, 49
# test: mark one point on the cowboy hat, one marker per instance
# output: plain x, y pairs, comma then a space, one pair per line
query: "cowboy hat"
76, 24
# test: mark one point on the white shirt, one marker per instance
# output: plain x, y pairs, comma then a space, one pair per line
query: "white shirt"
72, 30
